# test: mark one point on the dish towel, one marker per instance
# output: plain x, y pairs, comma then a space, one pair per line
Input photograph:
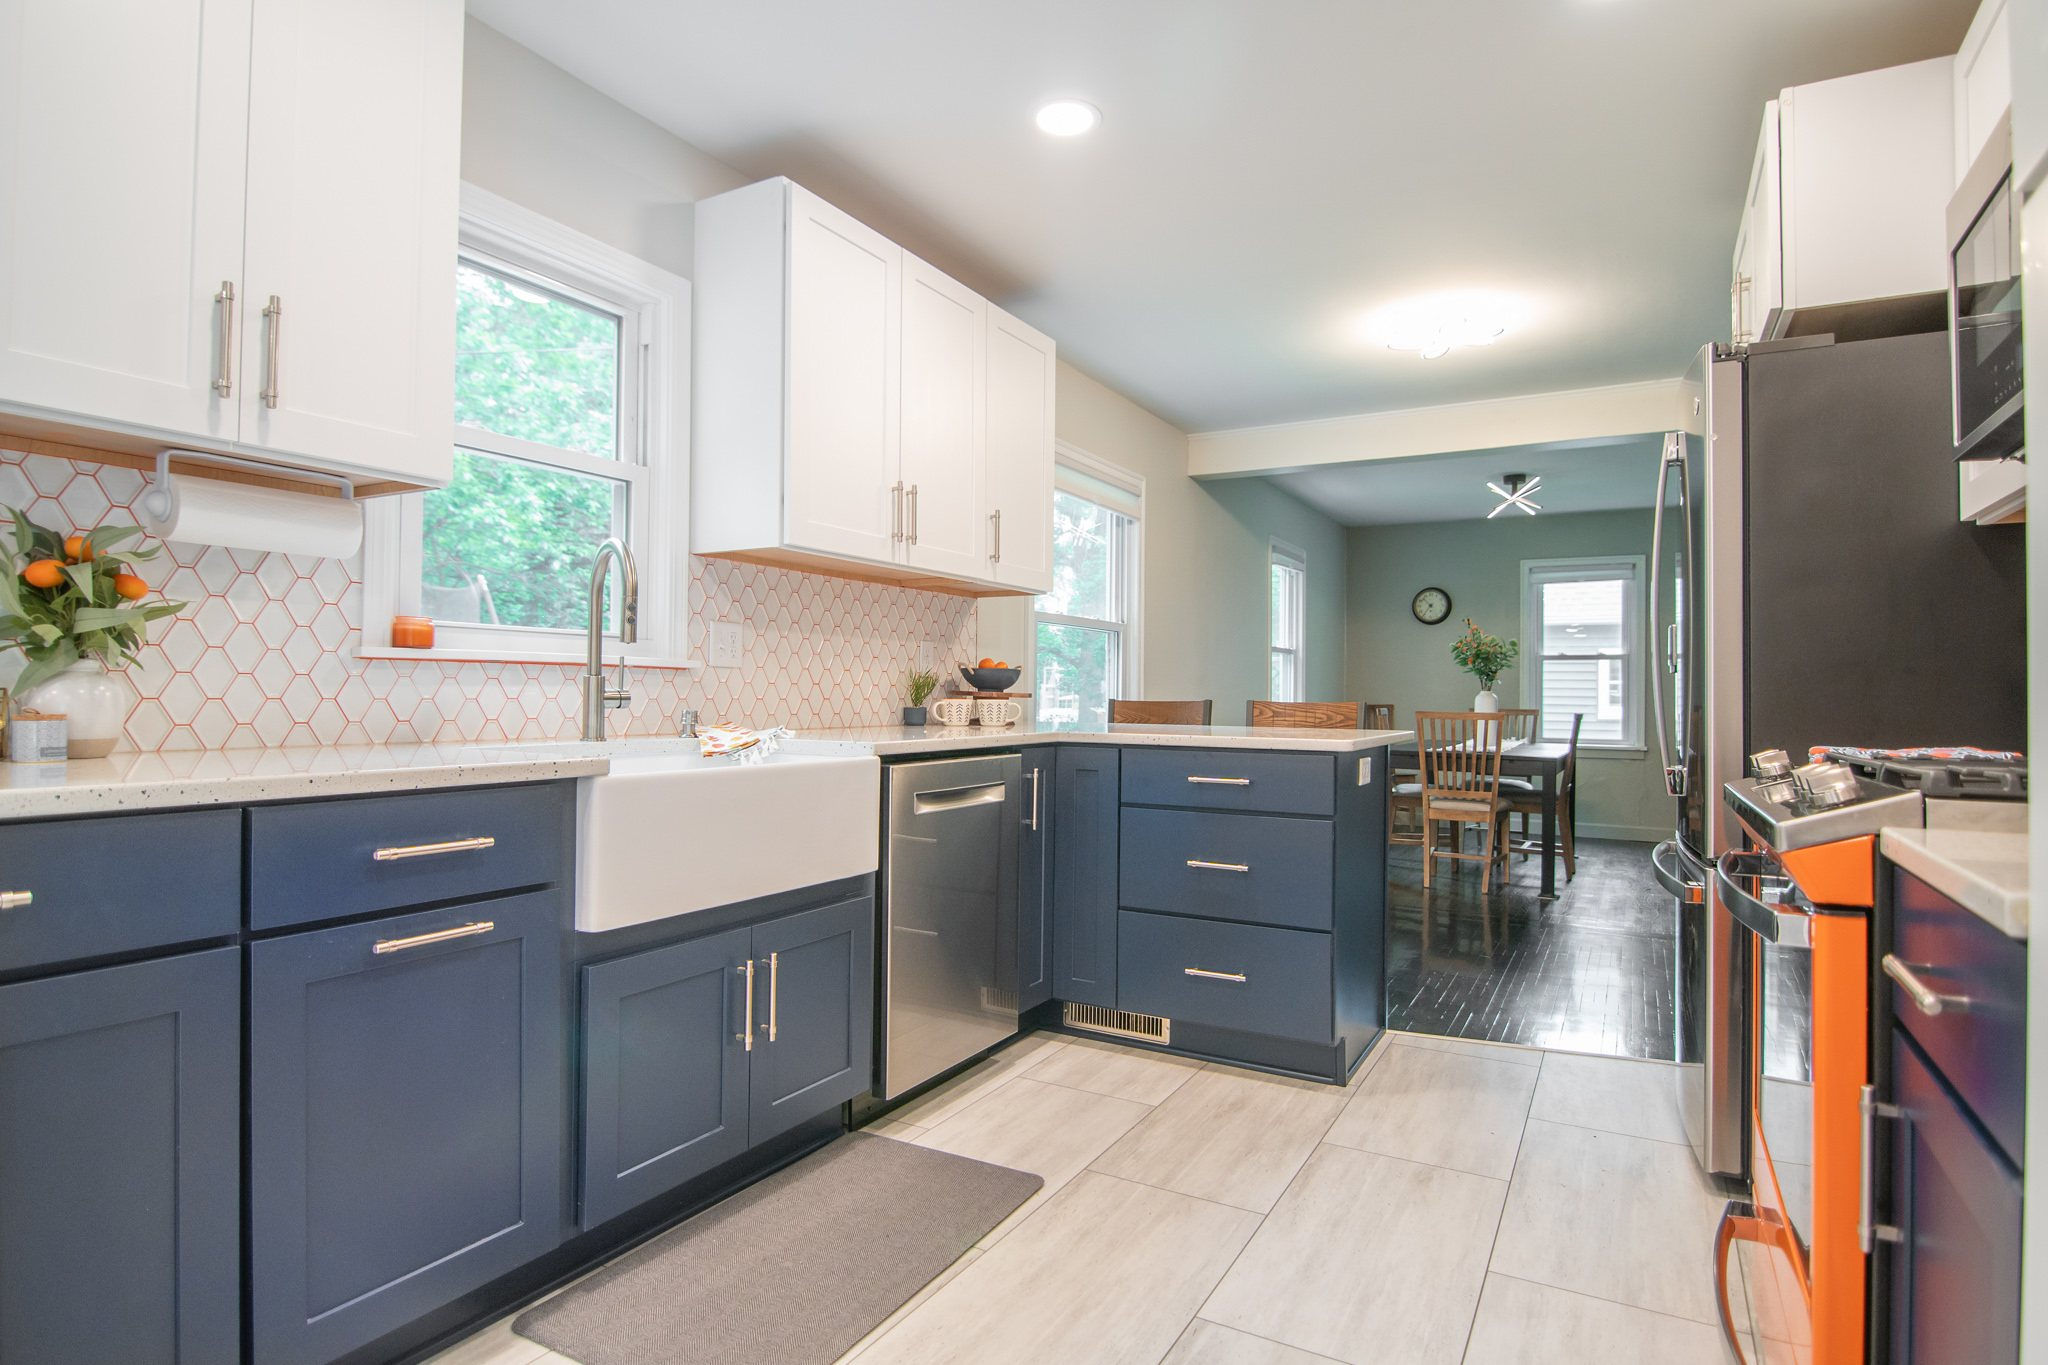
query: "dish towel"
739, 744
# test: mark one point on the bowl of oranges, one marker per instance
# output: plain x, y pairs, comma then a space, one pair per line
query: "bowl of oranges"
990, 675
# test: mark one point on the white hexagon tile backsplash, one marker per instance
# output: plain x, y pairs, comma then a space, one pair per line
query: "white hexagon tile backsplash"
265, 654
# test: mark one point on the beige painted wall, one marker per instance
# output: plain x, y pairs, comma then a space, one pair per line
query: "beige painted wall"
1393, 657
1205, 556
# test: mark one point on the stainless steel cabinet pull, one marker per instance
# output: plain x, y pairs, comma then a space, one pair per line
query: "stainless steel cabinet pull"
774, 975
14, 900
1925, 998
995, 527
747, 1012
1034, 801
224, 365
1212, 976
911, 534
895, 511
1219, 867
392, 855
1221, 781
1869, 1231
399, 945
273, 323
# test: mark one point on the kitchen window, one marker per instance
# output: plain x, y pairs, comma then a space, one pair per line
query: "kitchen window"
571, 388
1087, 626
1287, 570
1582, 648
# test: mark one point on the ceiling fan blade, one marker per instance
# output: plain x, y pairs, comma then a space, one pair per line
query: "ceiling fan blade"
1498, 510
1497, 490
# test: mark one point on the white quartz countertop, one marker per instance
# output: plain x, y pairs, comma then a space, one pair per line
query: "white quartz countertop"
1983, 870
891, 741
132, 781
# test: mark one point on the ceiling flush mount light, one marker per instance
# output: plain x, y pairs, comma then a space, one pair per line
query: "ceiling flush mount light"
1436, 326
1516, 494
1068, 118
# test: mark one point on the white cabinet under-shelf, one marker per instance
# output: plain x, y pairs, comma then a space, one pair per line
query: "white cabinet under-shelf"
1847, 198
232, 226
858, 412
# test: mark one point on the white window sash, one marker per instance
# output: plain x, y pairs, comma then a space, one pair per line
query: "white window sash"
1629, 569
1086, 476
1287, 637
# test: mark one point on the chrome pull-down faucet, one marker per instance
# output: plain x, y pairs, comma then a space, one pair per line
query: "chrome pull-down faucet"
598, 698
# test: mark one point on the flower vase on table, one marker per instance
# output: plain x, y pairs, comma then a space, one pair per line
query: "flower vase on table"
1485, 657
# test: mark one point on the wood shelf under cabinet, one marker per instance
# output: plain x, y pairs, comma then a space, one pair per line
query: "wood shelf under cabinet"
84, 445
896, 576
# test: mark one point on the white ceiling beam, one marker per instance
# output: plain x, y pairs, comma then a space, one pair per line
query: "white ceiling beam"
1571, 416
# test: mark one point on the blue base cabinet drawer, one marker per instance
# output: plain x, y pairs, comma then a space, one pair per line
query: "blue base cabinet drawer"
406, 1107
120, 1162
1251, 978
321, 860
1230, 779
118, 883
1260, 869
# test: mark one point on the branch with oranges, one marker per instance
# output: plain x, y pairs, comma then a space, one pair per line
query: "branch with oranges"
75, 597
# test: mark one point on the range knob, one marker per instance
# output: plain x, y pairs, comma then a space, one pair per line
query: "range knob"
1827, 784
1770, 765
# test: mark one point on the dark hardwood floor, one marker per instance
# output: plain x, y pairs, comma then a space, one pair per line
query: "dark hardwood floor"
1588, 972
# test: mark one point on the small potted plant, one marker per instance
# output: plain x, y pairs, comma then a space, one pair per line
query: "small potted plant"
73, 606
922, 684
1485, 657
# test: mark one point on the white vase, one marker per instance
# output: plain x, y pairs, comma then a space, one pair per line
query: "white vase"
92, 702
1486, 701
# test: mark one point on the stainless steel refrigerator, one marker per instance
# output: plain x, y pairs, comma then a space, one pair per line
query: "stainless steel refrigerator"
1811, 583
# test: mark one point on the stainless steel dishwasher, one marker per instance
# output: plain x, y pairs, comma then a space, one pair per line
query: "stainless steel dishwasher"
949, 914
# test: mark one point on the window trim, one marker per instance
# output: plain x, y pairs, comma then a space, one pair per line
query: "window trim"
1281, 554
654, 449
1083, 475
1583, 568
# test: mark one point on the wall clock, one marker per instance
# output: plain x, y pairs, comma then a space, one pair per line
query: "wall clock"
1432, 606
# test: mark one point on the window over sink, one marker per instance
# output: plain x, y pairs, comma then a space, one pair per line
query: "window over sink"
571, 421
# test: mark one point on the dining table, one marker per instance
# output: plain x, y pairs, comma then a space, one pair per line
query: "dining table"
1540, 759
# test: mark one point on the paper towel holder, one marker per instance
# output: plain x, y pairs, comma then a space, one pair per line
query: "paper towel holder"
156, 499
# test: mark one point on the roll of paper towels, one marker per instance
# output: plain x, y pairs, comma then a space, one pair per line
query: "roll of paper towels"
244, 516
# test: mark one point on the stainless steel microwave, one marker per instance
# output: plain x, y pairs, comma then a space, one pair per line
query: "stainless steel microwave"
1984, 304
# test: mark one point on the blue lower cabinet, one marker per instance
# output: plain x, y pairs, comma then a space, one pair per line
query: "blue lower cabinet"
1245, 977
1034, 881
120, 1164
664, 1070
814, 1015
405, 1102
1086, 801
1259, 869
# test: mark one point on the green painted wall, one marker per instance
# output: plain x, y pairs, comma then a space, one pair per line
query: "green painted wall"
1390, 656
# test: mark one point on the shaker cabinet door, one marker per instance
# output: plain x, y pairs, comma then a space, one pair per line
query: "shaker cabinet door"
1084, 876
814, 1014
1022, 369
943, 340
121, 161
1034, 882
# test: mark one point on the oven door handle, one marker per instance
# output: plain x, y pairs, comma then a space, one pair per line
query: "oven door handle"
1770, 921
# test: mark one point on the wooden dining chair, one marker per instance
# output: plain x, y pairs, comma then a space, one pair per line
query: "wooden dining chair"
1160, 712
1379, 715
1460, 754
1526, 800
1518, 723
1308, 715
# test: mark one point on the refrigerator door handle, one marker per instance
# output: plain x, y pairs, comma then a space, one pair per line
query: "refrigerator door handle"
1667, 865
1674, 458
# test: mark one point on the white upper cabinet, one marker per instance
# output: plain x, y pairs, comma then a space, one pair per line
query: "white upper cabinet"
348, 338
944, 340
1983, 82
190, 161
1022, 365
121, 181
849, 415
1848, 194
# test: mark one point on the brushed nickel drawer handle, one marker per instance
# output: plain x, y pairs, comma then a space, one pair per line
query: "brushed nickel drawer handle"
1219, 867
1221, 781
14, 900
1925, 999
747, 1010
224, 360
399, 945
774, 976
273, 324
392, 855
1212, 976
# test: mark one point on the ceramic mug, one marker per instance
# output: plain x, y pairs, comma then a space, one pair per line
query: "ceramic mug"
996, 712
953, 710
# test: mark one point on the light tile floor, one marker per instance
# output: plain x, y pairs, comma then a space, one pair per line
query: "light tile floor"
1458, 1201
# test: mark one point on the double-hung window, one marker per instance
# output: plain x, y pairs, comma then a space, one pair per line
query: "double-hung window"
1087, 626
1288, 595
1582, 648
571, 408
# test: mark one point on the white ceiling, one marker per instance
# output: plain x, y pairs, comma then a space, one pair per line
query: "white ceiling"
1576, 478
1267, 172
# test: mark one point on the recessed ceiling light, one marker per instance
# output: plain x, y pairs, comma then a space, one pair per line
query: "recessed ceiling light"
1437, 325
1068, 118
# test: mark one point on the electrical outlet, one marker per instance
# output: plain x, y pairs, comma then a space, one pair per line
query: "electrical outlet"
926, 656
728, 642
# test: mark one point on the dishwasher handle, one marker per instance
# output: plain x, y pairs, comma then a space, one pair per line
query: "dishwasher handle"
958, 798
